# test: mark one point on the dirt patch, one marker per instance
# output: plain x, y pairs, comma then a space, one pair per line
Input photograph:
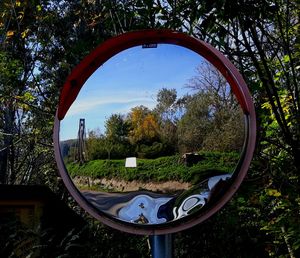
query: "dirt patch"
126, 186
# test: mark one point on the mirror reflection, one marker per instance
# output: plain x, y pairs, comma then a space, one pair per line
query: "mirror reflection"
154, 135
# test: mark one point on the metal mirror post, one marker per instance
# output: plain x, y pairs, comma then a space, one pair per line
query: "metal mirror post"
148, 103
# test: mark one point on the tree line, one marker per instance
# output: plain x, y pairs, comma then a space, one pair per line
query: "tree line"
208, 118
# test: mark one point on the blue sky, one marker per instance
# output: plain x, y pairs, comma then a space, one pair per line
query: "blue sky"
130, 78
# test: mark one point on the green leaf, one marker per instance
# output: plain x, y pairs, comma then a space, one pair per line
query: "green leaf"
286, 59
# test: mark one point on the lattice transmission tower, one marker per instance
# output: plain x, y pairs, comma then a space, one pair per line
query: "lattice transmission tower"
81, 151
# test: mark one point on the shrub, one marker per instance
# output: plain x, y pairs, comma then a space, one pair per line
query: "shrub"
159, 169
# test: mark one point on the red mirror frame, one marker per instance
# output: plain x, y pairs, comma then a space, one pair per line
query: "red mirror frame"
113, 46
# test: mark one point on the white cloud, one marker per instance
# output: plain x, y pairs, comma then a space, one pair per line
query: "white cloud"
84, 105
149, 103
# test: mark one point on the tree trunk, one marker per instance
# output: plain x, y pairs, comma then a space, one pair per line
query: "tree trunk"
7, 173
296, 156
3, 165
287, 242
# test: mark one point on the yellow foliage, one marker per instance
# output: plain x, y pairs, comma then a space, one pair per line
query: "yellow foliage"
144, 124
18, 3
286, 101
24, 33
10, 33
273, 192
150, 126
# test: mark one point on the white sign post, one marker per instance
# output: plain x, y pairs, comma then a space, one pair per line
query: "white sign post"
130, 162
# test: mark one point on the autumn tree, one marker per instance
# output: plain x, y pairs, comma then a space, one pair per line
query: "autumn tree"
144, 125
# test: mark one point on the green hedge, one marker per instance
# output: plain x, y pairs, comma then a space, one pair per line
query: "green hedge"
159, 169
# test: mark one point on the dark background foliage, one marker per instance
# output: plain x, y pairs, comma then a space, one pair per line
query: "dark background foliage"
41, 41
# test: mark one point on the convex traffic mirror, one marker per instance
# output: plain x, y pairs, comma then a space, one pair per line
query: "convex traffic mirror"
154, 132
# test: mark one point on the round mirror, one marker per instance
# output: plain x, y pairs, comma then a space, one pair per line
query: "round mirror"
154, 132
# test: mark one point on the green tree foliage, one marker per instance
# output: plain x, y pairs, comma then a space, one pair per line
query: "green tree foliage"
24, 117
116, 136
225, 131
116, 128
166, 104
95, 145
261, 39
167, 109
40, 42
195, 123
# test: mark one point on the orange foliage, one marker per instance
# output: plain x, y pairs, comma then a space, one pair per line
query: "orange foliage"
144, 125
